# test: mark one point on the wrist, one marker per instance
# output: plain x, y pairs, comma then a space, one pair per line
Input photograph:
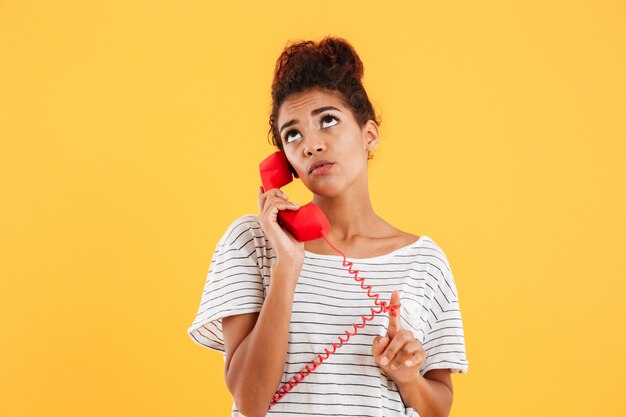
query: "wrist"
284, 275
415, 382
287, 268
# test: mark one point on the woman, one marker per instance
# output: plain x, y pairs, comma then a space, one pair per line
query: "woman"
271, 304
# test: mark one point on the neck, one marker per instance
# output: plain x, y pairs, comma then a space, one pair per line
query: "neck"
350, 214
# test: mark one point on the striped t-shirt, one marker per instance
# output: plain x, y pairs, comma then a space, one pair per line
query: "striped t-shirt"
327, 301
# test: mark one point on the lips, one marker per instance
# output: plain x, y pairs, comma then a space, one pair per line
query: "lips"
318, 164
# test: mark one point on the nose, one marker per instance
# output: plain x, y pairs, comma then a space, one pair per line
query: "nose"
313, 144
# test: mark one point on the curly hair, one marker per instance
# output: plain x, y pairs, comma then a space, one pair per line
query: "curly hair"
332, 65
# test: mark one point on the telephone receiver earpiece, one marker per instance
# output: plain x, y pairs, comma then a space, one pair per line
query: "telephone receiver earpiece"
308, 222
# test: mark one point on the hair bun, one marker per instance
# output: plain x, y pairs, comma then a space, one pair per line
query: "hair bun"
330, 64
340, 54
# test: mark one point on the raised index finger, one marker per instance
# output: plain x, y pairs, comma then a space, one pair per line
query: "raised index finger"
394, 321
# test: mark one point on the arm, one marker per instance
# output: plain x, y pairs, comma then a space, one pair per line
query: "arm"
430, 395
255, 361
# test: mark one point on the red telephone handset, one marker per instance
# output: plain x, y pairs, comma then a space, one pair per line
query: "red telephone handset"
308, 222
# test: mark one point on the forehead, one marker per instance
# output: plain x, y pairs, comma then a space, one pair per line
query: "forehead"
306, 101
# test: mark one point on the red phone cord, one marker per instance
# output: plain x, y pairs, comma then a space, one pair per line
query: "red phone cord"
383, 308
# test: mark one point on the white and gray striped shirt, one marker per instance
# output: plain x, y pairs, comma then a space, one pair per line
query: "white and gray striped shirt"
327, 301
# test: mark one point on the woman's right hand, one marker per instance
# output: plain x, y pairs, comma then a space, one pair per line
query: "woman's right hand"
289, 251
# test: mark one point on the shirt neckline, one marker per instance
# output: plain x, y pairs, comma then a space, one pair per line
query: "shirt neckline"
386, 255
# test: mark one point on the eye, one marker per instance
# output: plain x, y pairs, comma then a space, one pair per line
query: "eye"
288, 135
329, 116
324, 117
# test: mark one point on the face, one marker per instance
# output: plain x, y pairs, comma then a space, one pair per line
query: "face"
315, 125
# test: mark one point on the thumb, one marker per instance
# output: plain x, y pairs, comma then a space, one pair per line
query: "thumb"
394, 321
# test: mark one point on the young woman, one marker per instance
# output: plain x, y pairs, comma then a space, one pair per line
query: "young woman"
272, 304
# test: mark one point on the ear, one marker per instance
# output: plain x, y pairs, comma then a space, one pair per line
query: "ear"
371, 135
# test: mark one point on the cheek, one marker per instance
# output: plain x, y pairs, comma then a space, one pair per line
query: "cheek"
292, 168
358, 163
293, 171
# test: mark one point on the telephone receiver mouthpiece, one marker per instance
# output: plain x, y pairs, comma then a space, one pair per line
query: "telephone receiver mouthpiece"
308, 222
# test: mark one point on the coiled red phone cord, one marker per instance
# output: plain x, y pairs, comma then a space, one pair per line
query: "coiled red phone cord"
382, 308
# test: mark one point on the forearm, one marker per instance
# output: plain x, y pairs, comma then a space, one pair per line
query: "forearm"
258, 363
428, 397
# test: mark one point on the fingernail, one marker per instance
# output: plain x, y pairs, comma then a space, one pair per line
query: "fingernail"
295, 205
384, 361
409, 363
382, 340
393, 367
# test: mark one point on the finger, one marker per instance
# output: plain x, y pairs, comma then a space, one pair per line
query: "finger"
278, 199
394, 321
277, 193
379, 344
274, 207
274, 197
394, 347
263, 195
410, 348
418, 358
261, 199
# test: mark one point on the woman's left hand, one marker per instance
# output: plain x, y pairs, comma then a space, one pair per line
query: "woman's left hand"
399, 354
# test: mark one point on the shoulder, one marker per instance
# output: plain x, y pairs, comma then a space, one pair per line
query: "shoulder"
432, 256
426, 244
245, 235
434, 249
406, 238
242, 230
441, 269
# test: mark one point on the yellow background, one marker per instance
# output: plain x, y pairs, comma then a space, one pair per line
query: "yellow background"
131, 134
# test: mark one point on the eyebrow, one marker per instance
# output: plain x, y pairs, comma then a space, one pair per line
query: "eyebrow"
313, 113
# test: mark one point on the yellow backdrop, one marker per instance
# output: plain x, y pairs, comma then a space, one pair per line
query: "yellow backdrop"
131, 133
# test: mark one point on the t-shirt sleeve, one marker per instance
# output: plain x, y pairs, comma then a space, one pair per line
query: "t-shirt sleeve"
234, 284
444, 341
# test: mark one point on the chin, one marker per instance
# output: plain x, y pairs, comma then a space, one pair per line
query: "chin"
328, 190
